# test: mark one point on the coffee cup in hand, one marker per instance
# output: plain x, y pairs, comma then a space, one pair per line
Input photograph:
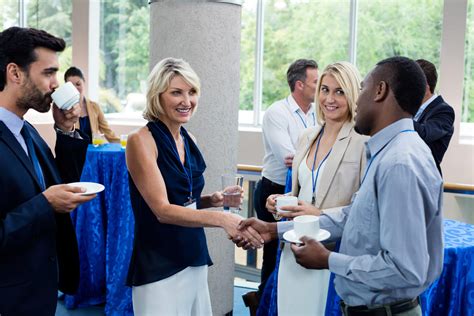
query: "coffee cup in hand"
66, 96
285, 200
306, 225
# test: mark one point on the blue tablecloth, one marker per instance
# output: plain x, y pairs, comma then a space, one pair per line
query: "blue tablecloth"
452, 294
104, 229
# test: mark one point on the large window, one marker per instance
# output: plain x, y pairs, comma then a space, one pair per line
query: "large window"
247, 60
277, 32
124, 38
9, 13
362, 31
387, 28
55, 17
301, 29
467, 115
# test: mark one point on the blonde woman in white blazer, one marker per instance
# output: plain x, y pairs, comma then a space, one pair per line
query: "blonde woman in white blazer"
327, 170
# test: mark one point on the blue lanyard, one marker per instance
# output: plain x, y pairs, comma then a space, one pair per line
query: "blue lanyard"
380, 150
315, 180
301, 118
189, 174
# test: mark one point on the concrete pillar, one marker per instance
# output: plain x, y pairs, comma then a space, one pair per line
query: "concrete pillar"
207, 35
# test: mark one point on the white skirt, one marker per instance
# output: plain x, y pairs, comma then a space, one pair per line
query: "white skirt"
301, 291
184, 293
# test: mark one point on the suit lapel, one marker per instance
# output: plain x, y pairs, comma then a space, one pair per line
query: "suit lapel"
430, 108
9, 139
301, 157
332, 164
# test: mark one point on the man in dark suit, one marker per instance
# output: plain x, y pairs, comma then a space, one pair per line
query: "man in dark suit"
38, 247
435, 118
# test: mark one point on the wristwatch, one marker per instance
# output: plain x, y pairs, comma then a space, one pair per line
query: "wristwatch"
69, 133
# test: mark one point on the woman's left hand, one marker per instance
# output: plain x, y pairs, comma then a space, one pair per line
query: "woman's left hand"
217, 198
303, 208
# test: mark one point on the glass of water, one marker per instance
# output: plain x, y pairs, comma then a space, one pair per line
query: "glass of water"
231, 190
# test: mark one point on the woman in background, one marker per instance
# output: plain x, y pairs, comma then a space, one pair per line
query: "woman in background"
169, 265
92, 120
327, 171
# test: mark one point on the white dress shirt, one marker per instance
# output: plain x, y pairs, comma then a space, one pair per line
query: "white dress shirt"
14, 124
282, 124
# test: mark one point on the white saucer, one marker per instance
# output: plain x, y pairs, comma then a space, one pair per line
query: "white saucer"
91, 187
290, 236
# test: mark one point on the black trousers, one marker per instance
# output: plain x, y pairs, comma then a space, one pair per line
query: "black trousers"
263, 190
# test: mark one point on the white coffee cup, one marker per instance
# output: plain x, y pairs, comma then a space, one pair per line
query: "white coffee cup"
285, 200
66, 96
306, 225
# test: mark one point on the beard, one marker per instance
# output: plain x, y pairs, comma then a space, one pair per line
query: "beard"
33, 98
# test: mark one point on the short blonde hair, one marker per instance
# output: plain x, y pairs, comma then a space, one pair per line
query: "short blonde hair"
159, 81
348, 77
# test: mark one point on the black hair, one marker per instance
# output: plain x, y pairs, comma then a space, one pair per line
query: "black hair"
406, 80
430, 73
73, 72
17, 45
297, 71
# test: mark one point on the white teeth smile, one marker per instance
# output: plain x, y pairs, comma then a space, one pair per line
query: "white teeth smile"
331, 108
186, 110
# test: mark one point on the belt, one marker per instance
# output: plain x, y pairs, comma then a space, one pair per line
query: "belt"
273, 184
384, 310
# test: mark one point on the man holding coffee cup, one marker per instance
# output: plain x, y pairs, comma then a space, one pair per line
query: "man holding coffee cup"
38, 247
391, 234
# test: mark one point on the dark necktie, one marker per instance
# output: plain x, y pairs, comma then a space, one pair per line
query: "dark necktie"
34, 159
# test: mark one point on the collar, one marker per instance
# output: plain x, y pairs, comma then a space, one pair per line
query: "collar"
424, 106
384, 136
294, 107
12, 121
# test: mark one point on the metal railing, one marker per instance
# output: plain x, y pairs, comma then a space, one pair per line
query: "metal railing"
252, 174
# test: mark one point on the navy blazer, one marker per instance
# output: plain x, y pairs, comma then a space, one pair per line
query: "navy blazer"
435, 127
38, 247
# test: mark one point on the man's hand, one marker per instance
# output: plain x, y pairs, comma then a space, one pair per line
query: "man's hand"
249, 237
66, 119
65, 198
311, 254
302, 208
289, 160
267, 231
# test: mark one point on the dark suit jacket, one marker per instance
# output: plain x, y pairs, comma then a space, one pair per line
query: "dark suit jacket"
34, 240
435, 127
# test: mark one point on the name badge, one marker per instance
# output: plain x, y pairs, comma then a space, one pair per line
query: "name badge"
191, 204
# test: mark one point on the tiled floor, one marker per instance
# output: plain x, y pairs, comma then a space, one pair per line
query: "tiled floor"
239, 307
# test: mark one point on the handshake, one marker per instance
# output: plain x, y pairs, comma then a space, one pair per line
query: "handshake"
252, 233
